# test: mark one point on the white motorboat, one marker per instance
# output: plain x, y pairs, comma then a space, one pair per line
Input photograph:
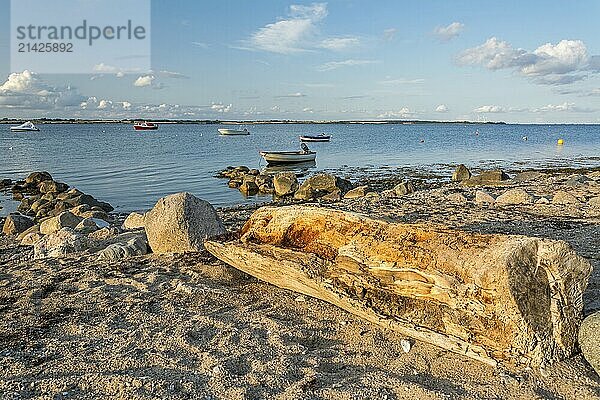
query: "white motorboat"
233, 132
288, 157
26, 127
315, 138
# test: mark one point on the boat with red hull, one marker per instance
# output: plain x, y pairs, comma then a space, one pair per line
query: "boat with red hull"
145, 126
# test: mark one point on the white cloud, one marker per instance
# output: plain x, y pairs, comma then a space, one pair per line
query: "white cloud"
202, 45
221, 108
490, 109
144, 81
555, 64
308, 110
442, 108
329, 66
447, 33
389, 34
26, 90
401, 81
104, 105
171, 74
404, 112
293, 34
292, 95
126, 105
120, 74
340, 43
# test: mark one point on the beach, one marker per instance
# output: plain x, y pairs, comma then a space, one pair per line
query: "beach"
190, 326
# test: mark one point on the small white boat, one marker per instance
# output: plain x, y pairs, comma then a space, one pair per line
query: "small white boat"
315, 138
26, 127
233, 132
288, 157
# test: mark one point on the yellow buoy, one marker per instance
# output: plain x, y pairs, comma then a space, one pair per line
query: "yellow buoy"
560, 141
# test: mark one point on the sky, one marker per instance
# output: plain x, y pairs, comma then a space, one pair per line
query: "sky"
512, 61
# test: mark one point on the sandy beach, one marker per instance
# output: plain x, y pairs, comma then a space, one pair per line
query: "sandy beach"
190, 326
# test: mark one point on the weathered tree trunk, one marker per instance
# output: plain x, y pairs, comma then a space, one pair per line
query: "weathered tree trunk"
490, 297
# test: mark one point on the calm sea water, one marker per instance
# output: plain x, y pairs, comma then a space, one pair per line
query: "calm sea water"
131, 170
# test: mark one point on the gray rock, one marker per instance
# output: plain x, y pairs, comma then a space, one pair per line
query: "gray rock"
31, 239
59, 244
490, 178
482, 197
564, 198
285, 183
87, 226
33, 229
404, 188
461, 173
589, 340
55, 224
35, 178
15, 224
321, 185
181, 222
249, 188
594, 202
542, 200
528, 176
52, 187
137, 246
360, 191
577, 180
514, 197
134, 221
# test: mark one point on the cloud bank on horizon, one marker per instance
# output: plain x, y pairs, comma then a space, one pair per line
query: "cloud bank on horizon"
316, 61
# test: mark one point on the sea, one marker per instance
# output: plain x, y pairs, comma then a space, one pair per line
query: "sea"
132, 170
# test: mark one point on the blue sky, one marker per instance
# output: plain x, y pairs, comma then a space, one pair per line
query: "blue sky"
514, 61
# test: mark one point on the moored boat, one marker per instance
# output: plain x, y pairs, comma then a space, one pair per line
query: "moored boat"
145, 126
233, 132
315, 138
26, 127
289, 157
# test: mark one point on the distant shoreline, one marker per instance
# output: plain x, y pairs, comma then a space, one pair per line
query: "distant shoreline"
242, 122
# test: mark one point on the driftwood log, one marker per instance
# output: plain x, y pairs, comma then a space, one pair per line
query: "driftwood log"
505, 298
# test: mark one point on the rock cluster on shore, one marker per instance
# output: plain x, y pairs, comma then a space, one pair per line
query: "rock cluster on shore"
322, 186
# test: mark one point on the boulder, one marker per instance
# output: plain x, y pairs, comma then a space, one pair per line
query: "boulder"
104, 234
404, 188
577, 180
137, 246
15, 224
594, 202
134, 220
90, 201
589, 340
33, 229
234, 184
564, 198
5, 183
263, 180
492, 297
249, 188
482, 197
79, 210
242, 169
461, 173
254, 172
542, 201
35, 178
55, 224
31, 239
60, 244
285, 183
87, 226
514, 197
334, 196
360, 191
52, 187
321, 185
95, 214
266, 189
487, 178
181, 222
528, 176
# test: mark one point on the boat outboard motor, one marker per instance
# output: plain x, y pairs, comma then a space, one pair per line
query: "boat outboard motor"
305, 148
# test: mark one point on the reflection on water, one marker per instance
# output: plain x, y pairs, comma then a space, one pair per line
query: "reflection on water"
131, 170
299, 168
